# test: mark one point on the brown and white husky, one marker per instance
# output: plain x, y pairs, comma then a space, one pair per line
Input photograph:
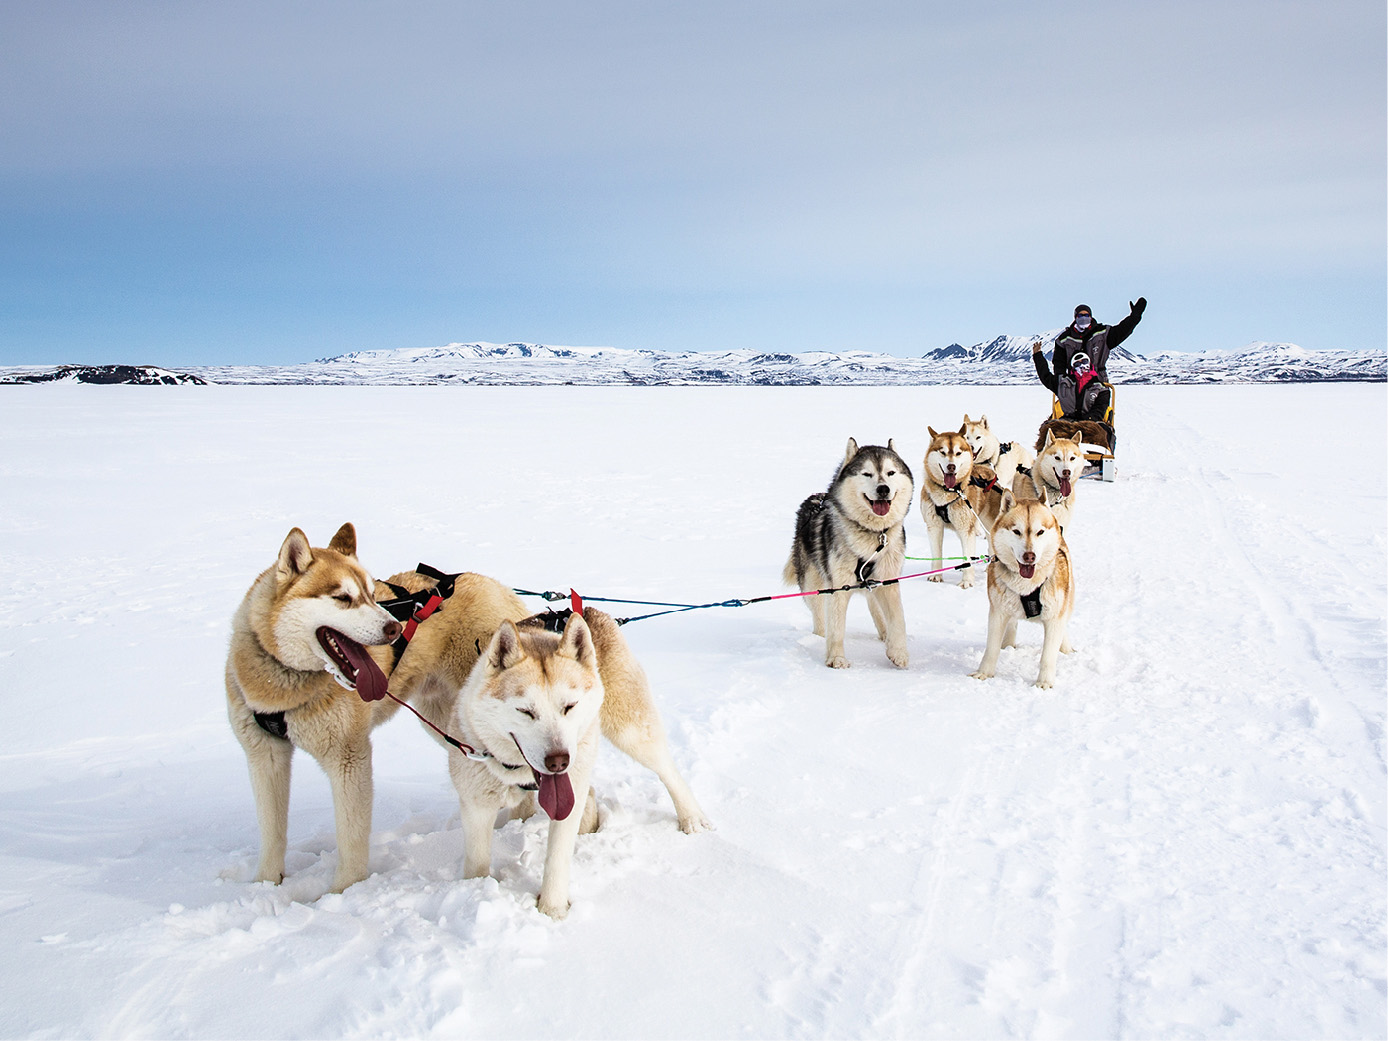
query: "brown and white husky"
949, 464
1053, 477
1029, 579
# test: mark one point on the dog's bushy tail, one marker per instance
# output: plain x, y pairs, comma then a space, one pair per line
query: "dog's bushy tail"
789, 573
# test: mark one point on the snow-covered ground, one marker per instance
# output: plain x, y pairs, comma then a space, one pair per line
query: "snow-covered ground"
1185, 838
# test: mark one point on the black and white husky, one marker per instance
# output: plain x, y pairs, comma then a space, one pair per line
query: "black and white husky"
850, 534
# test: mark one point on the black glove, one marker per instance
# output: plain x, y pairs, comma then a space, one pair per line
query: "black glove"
1139, 307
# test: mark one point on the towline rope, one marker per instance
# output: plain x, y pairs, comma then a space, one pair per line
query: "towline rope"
551, 595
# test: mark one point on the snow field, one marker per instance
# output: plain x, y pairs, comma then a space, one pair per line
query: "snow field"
1185, 838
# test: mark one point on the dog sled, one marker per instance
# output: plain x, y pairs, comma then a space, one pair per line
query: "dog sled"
1097, 438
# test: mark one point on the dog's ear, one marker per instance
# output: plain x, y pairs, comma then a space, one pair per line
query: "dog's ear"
505, 650
1050, 436
891, 445
850, 451
932, 433
345, 541
982, 420
578, 642
1008, 501
295, 557
967, 421
963, 426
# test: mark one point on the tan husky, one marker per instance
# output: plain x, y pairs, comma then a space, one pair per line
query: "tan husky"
298, 675
949, 462
1029, 578
1003, 456
296, 653
533, 706
1053, 477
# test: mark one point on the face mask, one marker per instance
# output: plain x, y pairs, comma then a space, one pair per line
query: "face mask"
1083, 322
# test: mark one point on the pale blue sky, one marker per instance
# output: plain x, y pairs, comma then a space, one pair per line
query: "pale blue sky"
188, 183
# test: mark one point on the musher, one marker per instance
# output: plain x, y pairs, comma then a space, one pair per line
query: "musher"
1080, 358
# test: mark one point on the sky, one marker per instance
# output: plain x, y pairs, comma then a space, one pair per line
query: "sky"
244, 182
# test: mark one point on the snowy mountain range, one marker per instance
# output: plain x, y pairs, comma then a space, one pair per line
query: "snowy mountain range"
1004, 360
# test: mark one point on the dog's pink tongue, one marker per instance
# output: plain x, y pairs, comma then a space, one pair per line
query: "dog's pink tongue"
950, 481
881, 507
1065, 486
1026, 570
371, 681
556, 795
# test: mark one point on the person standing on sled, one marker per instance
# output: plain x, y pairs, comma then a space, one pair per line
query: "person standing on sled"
1081, 362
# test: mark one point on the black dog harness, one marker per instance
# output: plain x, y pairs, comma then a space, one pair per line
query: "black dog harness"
865, 567
1003, 448
273, 724
1031, 602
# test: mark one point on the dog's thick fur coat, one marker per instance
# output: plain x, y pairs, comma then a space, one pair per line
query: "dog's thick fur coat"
853, 532
1054, 477
1003, 458
277, 664
1030, 560
949, 463
542, 698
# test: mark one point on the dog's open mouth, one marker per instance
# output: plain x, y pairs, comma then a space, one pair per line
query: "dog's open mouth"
353, 662
1065, 486
881, 507
950, 480
1026, 570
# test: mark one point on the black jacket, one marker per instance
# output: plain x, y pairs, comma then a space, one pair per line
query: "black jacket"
1096, 341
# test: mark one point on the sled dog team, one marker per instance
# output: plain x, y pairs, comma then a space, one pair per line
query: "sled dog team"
519, 700
853, 535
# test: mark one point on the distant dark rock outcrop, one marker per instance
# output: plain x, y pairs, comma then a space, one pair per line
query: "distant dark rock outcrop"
141, 374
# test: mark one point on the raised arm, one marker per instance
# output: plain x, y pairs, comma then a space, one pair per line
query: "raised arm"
1043, 371
1121, 331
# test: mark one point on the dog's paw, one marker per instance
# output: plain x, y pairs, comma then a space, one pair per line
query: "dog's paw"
556, 911
901, 659
981, 675
1044, 683
693, 824
935, 578
966, 582
838, 661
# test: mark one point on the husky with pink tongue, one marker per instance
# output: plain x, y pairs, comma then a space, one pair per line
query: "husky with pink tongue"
305, 671
1029, 579
949, 464
850, 537
533, 706
1053, 476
